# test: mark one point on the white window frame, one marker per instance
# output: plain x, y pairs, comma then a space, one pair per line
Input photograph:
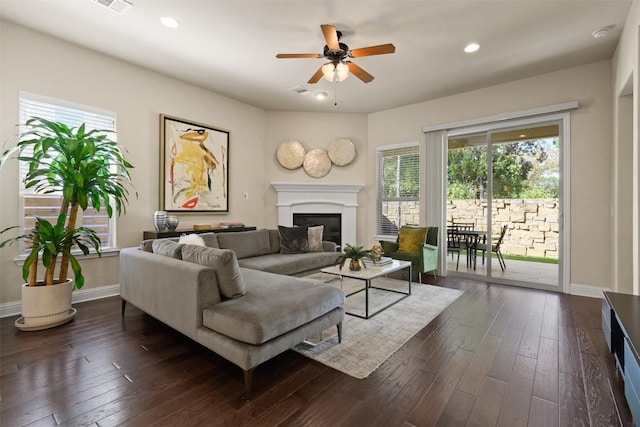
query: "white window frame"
386, 151
73, 115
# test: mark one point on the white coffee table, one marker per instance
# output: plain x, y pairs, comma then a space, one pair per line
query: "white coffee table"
368, 275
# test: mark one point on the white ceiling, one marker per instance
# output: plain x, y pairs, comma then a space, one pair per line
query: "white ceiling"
230, 46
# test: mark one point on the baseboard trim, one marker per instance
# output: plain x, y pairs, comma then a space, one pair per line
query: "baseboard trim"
13, 308
586, 290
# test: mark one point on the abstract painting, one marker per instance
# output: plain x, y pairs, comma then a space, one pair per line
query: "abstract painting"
194, 164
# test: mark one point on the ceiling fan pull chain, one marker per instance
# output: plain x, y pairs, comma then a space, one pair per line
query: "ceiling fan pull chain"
335, 94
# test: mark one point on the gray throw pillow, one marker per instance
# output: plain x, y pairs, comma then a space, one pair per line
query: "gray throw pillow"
294, 240
315, 238
167, 248
147, 245
223, 262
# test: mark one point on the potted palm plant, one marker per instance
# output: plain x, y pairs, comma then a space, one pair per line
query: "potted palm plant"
87, 169
355, 254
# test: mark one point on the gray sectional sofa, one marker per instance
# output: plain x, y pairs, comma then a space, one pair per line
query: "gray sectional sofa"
236, 296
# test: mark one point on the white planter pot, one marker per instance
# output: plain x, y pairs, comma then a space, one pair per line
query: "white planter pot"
46, 306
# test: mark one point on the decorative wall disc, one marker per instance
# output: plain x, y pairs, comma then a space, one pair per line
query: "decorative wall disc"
342, 151
317, 163
290, 154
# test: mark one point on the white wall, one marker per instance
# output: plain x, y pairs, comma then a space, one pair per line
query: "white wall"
626, 83
318, 130
36, 63
591, 126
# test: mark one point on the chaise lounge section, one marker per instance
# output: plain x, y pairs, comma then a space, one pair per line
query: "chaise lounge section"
243, 314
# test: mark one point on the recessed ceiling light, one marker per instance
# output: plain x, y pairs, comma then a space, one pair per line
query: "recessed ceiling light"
169, 22
471, 47
603, 32
321, 95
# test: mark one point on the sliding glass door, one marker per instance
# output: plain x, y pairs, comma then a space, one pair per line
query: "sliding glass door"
504, 202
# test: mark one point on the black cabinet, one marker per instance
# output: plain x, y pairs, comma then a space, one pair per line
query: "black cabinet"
146, 235
621, 328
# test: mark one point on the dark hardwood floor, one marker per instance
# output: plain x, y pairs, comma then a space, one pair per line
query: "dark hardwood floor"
499, 355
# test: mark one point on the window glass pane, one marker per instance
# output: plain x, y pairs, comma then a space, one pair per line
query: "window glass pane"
47, 206
398, 189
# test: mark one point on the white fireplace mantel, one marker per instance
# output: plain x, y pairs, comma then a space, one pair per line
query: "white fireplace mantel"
320, 198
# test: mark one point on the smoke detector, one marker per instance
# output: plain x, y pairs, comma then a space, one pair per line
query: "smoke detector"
118, 6
602, 32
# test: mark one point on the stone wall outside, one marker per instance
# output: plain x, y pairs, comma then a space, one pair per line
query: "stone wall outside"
532, 224
409, 213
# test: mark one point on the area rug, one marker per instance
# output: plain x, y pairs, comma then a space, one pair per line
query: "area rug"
367, 343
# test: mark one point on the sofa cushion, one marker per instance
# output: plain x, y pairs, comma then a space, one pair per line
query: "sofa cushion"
223, 262
168, 248
273, 305
290, 264
315, 238
410, 238
246, 243
274, 240
147, 245
294, 240
210, 240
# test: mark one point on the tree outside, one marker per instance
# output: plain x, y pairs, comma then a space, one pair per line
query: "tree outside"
526, 188
521, 170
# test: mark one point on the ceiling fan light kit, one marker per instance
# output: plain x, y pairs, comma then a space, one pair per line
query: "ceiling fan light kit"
339, 67
335, 72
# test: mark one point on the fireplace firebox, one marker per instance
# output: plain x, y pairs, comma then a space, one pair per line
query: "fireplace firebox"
332, 224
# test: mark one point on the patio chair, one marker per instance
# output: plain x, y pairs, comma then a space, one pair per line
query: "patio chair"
495, 247
454, 243
467, 242
416, 244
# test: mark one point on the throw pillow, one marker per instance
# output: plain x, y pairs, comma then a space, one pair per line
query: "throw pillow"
315, 238
223, 262
192, 239
294, 240
410, 239
167, 248
147, 245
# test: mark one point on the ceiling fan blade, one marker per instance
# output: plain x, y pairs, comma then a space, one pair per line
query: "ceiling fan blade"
316, 77
331, 36
373, 50
359, 72
298, 55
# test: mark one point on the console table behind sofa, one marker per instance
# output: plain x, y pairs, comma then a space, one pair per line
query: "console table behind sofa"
146, 235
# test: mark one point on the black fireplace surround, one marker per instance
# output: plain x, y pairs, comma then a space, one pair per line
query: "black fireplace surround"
332, 224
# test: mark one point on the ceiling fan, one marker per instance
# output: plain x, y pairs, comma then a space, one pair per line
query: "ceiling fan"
338, 54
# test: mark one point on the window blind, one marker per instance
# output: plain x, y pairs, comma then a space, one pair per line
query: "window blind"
47, 206
398, 178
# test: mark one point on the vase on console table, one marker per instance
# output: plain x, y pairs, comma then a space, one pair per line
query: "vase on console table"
172, 222
160, 220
